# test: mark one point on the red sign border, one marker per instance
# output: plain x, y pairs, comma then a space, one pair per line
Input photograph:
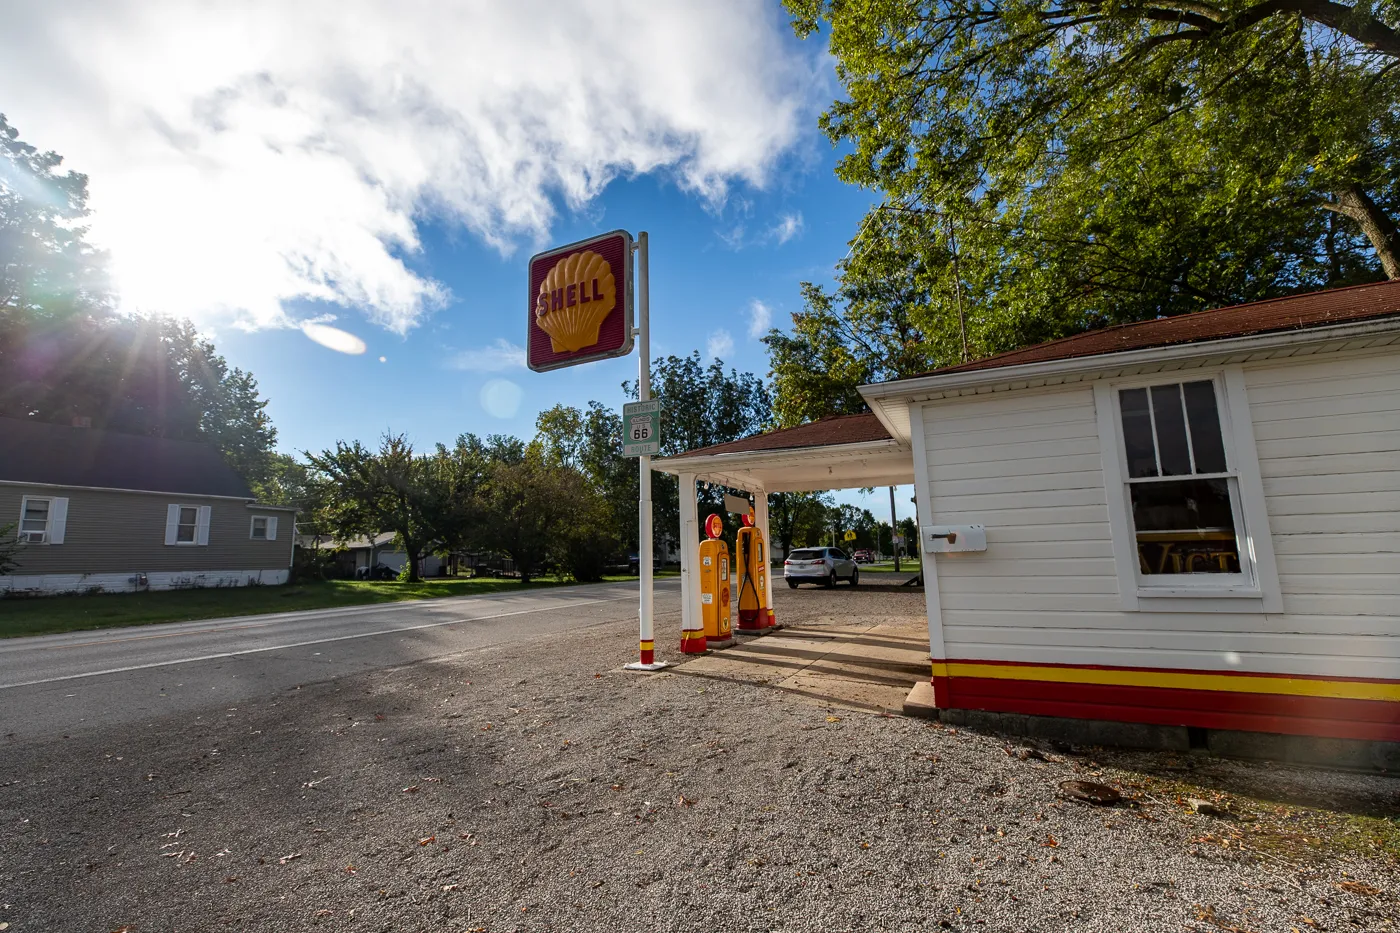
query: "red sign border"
628, 310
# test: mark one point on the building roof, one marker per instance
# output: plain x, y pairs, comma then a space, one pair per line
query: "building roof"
839, 429
1296, 312
58, 455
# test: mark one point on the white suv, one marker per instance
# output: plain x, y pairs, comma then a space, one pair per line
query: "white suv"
819, 565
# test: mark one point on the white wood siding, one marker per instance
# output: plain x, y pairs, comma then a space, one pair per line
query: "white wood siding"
1027, 466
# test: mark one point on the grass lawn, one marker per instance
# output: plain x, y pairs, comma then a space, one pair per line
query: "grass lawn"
44, 615
887, 566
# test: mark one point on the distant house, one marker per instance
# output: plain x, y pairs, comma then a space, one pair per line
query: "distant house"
356, 555
97, 510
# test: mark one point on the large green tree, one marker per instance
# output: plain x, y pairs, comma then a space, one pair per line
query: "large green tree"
1046, 166
367, 492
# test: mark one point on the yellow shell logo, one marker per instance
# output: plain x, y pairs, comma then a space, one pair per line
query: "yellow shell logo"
575, 297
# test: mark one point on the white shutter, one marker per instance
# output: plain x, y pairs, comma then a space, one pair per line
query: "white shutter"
201, 534
272, 529
172, 523
58, 519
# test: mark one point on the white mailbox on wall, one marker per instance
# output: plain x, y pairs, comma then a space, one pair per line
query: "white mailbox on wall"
949, 539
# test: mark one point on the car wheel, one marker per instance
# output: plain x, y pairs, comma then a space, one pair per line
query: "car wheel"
855, 576
792, 584
831, 580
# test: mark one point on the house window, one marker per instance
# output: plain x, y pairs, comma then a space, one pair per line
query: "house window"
1184, 498
187, 528
34, 520
259, 528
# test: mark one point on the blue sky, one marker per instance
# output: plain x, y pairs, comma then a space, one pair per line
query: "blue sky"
386, 171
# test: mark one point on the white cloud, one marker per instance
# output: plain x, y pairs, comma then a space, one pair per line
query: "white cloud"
244, 156
789, 226
720, 345
760, 318
492, 358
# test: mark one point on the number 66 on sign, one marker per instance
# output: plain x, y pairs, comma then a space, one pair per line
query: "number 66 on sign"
641, 427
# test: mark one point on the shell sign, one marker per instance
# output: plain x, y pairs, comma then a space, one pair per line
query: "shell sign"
581, 302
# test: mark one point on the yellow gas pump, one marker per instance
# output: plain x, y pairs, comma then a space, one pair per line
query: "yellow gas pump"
714, 592
752, 584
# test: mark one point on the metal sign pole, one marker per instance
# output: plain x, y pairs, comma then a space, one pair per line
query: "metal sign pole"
648, 660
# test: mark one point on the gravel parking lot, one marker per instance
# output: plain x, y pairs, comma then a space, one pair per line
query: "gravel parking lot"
539, 787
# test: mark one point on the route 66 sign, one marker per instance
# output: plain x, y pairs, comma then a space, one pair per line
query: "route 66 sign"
641, 426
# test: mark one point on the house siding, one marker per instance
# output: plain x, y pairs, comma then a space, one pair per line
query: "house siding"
1027, 465
111, 532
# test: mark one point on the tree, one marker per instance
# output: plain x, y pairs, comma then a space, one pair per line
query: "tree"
370, 492
65, 354
536, 511
1048, 167
47, 267
700, 406
794, 518
591, 441
9, 548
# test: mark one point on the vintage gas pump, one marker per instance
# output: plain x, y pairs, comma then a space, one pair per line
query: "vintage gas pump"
752, 563
714, 585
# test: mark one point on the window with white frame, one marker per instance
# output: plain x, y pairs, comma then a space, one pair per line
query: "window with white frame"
263, 528
1183, 495
187, 527
34, 520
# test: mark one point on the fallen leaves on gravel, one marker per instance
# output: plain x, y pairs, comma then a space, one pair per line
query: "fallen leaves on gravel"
684, 801
1358, 887
1100, 795
411, 790
1050, 842
287, 858
833, 719
1207, 914
427, 840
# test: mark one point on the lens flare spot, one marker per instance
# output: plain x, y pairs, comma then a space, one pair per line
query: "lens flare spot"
333, 338
501, 398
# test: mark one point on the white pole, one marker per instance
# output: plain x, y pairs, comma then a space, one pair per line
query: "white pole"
644, 538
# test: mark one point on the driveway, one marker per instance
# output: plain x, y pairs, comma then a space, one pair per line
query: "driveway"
529, 783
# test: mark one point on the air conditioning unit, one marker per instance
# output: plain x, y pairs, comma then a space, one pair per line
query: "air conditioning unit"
33, 537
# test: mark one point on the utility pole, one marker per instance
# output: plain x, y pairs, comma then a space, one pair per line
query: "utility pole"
894, 531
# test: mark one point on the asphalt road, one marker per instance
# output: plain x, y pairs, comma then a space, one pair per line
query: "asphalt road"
62, 685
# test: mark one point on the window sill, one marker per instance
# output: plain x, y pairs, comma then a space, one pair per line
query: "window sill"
1241, 600
1196, 592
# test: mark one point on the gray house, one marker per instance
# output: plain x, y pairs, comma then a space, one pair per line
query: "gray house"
97, 510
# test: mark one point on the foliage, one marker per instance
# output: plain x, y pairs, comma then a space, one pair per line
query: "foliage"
1048, 167
700, 406
796, 519
367, 492
9, 548
65, 354
543, 514
591, 441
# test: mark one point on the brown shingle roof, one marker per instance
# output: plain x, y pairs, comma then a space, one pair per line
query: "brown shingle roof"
840, 429
1296, 312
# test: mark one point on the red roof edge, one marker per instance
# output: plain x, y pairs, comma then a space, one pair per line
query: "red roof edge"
862, 427
1290, 312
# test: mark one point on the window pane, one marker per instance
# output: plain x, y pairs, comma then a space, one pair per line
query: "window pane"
184, 533
1171, 430
37, 509
189, 516
1137, 433
1205, 427
1185, 527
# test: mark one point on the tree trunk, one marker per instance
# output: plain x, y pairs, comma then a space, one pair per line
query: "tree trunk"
413, 555
1378, 227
